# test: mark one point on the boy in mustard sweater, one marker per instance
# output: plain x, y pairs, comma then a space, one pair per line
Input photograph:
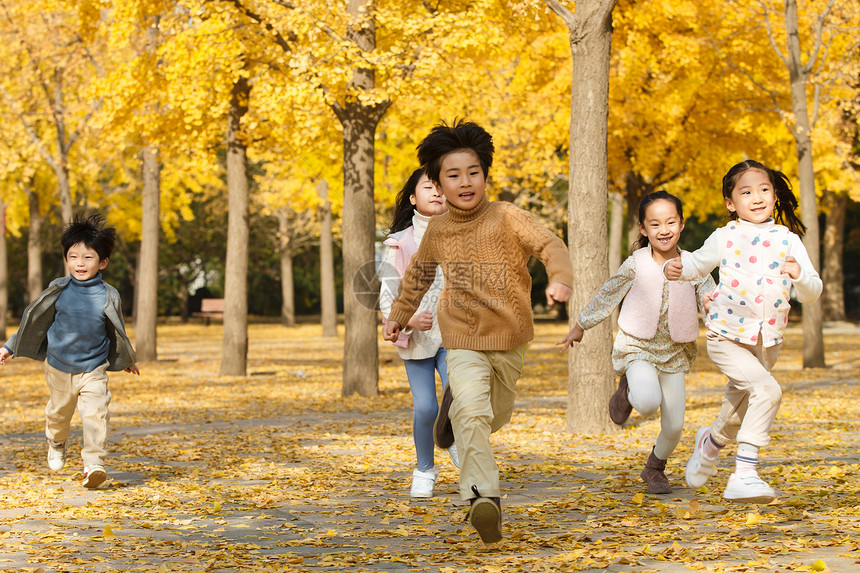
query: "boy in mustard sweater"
484, 312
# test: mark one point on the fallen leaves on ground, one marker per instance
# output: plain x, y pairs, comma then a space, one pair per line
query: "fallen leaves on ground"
276, 471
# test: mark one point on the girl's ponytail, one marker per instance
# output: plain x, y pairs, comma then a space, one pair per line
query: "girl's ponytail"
786, 203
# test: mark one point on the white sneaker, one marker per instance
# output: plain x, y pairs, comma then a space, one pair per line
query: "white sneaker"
747, 487
94, 476
56, 456
455, 457
700, 467
423, 482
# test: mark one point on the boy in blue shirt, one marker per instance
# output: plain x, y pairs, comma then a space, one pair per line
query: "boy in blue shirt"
76, 327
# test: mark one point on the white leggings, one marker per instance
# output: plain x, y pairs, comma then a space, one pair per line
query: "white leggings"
649, 389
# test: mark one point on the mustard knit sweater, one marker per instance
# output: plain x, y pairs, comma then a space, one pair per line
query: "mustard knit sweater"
483, 252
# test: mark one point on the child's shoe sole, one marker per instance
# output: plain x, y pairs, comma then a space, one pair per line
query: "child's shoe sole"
94, 478
699, 468
443, 432
486, 517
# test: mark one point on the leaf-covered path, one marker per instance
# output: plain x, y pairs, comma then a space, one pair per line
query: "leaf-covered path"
277, 472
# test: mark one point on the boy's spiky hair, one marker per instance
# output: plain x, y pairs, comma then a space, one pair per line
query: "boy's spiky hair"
444, 139
91, 231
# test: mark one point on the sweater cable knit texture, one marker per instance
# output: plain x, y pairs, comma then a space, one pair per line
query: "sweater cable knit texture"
483, 253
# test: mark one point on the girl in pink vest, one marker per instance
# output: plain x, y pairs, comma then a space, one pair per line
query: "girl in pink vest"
760, 261
658, 328
420, 344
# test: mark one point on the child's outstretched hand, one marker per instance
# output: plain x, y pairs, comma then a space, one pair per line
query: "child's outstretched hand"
790, 268
575, 335
4, 354
672, 269
133, 369
557, 292
391, 330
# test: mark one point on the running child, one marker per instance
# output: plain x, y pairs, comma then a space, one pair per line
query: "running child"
761, 258
658, 327
420, 343
76, 327
485, 312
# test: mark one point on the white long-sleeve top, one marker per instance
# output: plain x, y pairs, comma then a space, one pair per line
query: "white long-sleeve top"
753, 294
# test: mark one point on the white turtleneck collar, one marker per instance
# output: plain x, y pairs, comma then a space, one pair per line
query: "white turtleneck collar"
419, 225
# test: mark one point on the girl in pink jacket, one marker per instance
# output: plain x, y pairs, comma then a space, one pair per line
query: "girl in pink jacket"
658, 328
420, 343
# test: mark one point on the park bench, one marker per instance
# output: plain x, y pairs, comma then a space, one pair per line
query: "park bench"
211, 308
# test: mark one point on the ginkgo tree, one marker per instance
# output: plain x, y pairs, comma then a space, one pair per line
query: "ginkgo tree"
590, 34
51, 57
334, 49
788, 60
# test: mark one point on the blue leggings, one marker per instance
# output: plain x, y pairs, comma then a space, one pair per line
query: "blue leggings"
425, 406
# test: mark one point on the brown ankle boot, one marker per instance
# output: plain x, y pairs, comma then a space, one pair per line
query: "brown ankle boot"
653, 475
619, 405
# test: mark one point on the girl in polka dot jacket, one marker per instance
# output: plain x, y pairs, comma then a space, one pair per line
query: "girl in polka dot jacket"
759, 262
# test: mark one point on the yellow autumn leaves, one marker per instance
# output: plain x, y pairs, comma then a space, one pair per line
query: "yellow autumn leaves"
277, 472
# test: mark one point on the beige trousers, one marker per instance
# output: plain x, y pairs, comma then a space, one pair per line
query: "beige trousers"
89, 391
752, 395
483, 385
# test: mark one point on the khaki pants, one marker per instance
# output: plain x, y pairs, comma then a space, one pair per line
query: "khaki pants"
483, 385
752, 395
90, 393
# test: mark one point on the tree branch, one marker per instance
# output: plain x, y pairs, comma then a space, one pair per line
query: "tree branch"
34, 137
770, 35
279, 39
564, 13
819, 37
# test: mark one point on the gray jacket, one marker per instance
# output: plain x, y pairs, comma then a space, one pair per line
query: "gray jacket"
31, 340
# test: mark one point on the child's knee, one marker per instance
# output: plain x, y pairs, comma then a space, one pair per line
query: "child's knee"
771, 392
672, 435
473, 412
425, 413
645, 404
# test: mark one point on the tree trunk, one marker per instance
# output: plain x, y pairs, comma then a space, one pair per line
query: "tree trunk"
832, 272
61, 165
813, 339
234, 350
66, 211
636, 188
360, 285
4, 273
591, 380
616, 232
34, 247
328, 296
285, 248
182, 296
146, 296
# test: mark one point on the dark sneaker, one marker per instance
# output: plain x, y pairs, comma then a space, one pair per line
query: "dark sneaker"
485, 515
619, 405
443, 432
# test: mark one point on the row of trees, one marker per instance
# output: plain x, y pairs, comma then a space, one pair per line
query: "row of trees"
308, 114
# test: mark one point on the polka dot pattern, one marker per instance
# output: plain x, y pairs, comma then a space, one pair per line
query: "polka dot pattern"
753, 299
